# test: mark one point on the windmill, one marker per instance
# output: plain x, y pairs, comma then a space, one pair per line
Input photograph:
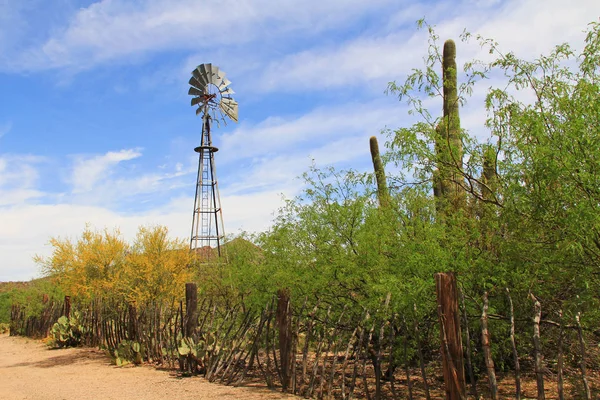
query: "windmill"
212, 97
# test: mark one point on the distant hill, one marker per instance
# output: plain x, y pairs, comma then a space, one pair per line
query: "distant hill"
8, 286
236, 246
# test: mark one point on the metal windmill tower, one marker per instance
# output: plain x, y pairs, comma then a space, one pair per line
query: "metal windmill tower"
212, 96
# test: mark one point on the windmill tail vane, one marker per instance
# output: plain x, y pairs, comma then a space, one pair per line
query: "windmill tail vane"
212, 97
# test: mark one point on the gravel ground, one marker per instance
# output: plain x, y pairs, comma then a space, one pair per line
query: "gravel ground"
29, 370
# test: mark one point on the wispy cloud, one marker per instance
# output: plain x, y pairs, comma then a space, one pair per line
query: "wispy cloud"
5, 128
311, 130
369, 61
109, 30
19, 176
356, 63
87, 171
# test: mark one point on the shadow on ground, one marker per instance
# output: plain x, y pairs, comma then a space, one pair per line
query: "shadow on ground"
79, 357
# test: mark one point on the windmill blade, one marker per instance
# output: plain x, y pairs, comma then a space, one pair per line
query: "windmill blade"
204, 71
198, 75
196, 83
197, 100
227, 101
230, 108
221, 75
198, 110
231, 113
227, 92
226, 82
195, 92
214, 78
209, 73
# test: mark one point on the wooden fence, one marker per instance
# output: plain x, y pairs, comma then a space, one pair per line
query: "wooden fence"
316, 350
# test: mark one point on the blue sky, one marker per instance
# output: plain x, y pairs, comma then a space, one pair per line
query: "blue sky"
96, 126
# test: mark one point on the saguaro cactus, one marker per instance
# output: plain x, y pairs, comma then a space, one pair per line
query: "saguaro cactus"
488, 188
489, 174
382, 190
448, 178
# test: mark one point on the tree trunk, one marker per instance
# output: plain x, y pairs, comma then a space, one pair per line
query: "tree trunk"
487, 352
514, 348
450, 336
539, 365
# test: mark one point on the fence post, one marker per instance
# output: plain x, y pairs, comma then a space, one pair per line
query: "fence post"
68, 306
191, 308
132, 326
14, 320
450, 336
284, 325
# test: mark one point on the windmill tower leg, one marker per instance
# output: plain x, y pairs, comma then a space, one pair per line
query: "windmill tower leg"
207, 223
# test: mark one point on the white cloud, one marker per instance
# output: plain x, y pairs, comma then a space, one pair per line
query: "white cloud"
529, 29
19, 177
370, 61
19, 243
109, 30
87, 171
304, 132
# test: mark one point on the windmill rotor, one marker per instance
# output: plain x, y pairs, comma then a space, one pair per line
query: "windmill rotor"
212, 94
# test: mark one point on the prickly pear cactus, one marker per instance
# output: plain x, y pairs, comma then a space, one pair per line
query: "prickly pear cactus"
67, 332
127, 352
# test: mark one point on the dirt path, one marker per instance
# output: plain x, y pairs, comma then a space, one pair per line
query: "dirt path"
29, 370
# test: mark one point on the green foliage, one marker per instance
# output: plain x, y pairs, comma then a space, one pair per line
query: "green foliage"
334, 243
5, 304
531, 214
67, 332
29, 296
4, 328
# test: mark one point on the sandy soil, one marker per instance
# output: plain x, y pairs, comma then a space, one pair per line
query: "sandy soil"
29, 370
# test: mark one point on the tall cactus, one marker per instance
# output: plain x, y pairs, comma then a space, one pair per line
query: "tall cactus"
382, 190
489, 174
449, 192
488, 189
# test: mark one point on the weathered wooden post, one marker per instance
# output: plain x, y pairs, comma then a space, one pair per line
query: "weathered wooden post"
14, 320
191, 309
68, 306
450, 336
284, 325
132, 325
191, 323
